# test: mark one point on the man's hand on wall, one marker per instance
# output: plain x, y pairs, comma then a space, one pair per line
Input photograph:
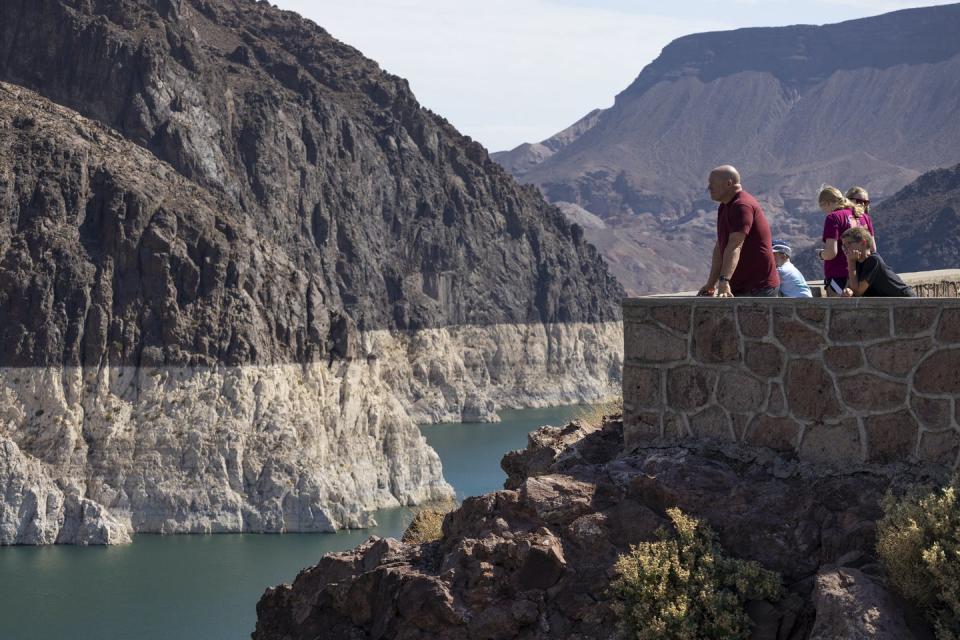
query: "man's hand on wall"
723, 290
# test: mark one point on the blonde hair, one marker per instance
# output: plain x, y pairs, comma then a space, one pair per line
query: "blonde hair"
858, 234
834, 198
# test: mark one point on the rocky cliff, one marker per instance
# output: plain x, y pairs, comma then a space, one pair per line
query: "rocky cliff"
237, 260
921, 223
535, 560
869, 102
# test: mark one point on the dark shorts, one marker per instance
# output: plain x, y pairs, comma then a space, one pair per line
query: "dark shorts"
764, 292
841, 282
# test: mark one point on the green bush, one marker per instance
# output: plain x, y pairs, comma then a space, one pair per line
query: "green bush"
683, 587
918, 540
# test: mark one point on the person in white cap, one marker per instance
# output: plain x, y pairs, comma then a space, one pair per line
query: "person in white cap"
792, 282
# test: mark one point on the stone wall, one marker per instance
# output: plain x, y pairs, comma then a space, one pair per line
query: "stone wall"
837, 381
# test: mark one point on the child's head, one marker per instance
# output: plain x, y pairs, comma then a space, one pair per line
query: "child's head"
857, 238
831, 199
781, 252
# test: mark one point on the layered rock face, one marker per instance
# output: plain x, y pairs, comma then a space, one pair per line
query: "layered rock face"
868, 102
237, 260
535, 560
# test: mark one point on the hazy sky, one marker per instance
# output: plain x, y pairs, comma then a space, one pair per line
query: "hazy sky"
512, 71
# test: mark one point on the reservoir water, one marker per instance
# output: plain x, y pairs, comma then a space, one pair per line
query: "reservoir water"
207, 587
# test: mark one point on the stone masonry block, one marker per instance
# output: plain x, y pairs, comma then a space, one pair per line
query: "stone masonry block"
843, 358
754, 321
833, 444
859, 325
797, 338
939, 373
689, 387
711, 423
909, 321
813, 313
898, 357
763, 358
871, 393
676, 317
648, 343
641, 386
891, 437
933, 413
939, 447
715, 337
740, 393
948, 329
780, 434
810, 391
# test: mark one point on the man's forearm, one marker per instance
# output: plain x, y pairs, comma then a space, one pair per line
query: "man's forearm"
731, 258
714, 266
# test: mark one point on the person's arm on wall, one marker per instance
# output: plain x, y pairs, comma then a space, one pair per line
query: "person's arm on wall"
710, 288
731, 258
855, 286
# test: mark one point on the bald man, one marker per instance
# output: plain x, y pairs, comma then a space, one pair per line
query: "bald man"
743, 263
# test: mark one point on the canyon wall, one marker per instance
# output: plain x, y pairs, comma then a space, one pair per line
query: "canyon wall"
239, 262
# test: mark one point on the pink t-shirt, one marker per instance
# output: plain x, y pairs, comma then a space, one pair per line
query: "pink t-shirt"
833, 227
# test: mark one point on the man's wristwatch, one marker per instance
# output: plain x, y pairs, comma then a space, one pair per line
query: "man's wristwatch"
723, 279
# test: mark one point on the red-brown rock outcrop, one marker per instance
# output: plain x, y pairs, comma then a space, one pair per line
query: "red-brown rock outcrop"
535, 560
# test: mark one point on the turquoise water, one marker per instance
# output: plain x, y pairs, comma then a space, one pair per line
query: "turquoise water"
207, 587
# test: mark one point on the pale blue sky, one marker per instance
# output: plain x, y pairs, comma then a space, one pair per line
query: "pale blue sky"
512, 71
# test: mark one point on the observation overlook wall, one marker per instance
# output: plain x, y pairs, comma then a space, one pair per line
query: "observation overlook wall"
835, 381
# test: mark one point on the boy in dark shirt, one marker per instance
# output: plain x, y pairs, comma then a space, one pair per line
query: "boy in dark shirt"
869, 274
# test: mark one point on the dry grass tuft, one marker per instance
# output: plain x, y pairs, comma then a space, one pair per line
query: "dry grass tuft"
594, 414
427, 523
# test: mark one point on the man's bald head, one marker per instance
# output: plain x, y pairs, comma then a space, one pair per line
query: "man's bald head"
724, 183
727, 172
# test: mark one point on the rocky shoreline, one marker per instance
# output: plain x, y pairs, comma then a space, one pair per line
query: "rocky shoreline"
535, 560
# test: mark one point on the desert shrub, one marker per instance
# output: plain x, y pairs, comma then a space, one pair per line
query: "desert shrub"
594, 414
683, 587
918, 540
427, 523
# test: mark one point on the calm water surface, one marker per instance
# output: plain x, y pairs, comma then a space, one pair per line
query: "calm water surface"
207, 587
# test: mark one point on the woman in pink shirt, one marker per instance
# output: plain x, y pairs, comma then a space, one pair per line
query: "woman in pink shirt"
842, 214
